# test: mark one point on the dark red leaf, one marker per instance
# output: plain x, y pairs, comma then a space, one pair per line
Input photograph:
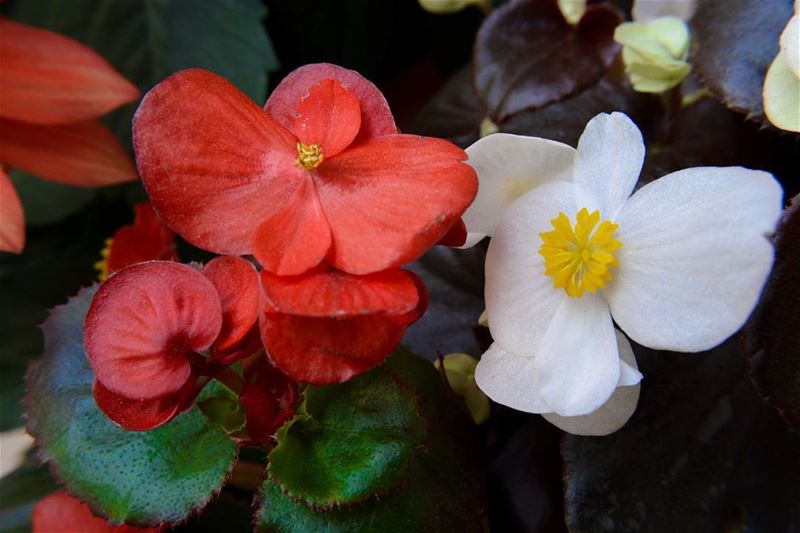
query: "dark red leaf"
773, 336
735, 44
527, 55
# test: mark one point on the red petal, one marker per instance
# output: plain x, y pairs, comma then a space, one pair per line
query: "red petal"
85, 154
51, 79
376, 118
389, 199
296, 237
61, 513
12, 218
214, 164
331, 293
422, 303
321, 351
239, 291
269, 399
456, 236
330, 116
143, 414
247, 346
146, 239
143, 324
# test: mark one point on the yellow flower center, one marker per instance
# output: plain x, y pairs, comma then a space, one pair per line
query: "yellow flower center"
102, 265
309, 157
579, 258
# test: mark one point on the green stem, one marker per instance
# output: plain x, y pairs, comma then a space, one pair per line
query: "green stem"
230, 379
247, 476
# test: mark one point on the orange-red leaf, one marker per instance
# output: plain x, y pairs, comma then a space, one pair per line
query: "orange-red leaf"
47, 78
85, 154
12, 219
61, 513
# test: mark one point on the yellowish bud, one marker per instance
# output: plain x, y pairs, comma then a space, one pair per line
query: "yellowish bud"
655, 53
460, 371
572, 10
487, 127
447, 6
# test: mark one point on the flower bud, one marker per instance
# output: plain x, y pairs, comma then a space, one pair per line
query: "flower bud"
460, 371
655, 53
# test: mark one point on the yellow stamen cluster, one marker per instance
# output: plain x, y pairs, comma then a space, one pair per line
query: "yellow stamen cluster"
102, 265
309, 157
579, 259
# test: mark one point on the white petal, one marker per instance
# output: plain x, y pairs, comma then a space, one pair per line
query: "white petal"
576, 366
781, 95
646, 10
610, 417
790, 44
628, 369
508, 166
520, 298
628, 374
507, 379
608, 162
473, 238
695, 255
613, 414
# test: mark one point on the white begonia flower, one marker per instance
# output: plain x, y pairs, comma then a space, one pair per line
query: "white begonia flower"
782, 84
679, 265
647, 10
516, 164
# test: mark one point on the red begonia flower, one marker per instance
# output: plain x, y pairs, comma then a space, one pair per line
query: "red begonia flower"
238, 285
457, 235
84, 154
62, 513
12, 218
269, 398
47, 78
146, 239
321, 175
146, 324
328, 326
376, 117
143, 414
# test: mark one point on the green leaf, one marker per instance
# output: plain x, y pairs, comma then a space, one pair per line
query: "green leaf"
354, 440
221, 406
147, 40
527, 55
45, 202
443, 486
142, 478
20, 490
